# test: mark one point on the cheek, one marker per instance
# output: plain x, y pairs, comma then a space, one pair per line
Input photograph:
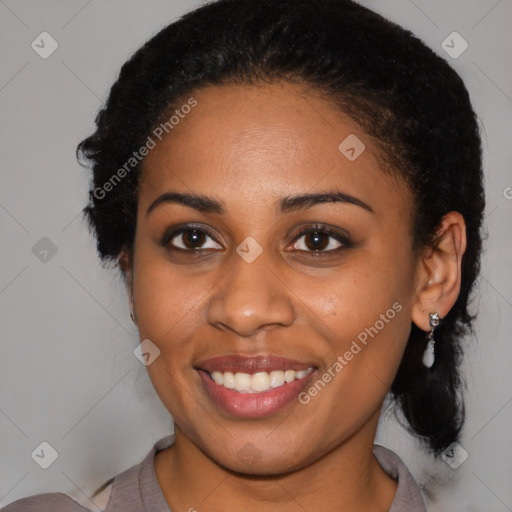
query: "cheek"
168, 306
364, 312
168, 309
161, 295
365, 322
355, 295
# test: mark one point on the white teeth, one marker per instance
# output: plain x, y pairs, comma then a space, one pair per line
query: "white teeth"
276, 379
289, 375
257, 382
242, 381
218, 377
260, 381
228, 380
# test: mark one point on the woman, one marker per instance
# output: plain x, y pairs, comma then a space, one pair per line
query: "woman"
293, 193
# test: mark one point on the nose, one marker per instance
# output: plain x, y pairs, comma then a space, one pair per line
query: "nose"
252, 297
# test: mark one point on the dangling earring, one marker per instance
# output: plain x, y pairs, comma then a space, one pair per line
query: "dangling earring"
132, 314
429, 356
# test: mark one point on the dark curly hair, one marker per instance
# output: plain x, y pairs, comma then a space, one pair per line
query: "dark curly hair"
400, 92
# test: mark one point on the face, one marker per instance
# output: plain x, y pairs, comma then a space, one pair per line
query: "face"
280, 320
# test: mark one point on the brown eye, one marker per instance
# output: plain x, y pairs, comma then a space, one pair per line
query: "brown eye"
321, 240
315, 241
189, 239
193, 238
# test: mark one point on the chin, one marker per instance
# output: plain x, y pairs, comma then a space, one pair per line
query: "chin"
252, 460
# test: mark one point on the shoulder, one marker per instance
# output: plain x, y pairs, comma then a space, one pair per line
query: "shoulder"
408, 495
48, 502
129, 491
60, 502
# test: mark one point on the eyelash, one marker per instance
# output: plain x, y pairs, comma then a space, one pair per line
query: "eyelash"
317, 228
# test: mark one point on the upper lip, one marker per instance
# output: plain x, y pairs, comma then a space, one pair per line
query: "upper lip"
251, 364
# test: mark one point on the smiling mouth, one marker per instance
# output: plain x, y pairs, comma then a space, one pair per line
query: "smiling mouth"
257, 382
254, 386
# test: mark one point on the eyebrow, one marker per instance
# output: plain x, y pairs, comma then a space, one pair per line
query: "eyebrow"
205, 204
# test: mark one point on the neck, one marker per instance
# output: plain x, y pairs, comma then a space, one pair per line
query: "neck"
346, 478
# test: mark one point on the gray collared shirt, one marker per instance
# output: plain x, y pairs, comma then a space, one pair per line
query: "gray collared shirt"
137, 489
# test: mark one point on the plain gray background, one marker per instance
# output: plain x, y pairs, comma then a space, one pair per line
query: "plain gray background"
68, 375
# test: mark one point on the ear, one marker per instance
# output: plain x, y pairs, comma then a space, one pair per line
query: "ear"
125, 260
438, 274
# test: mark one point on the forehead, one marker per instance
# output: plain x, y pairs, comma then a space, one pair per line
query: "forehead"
251, 143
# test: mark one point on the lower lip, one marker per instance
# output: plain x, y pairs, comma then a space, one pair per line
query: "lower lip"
253, 405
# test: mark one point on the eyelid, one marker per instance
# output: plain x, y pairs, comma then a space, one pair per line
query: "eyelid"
337, 233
